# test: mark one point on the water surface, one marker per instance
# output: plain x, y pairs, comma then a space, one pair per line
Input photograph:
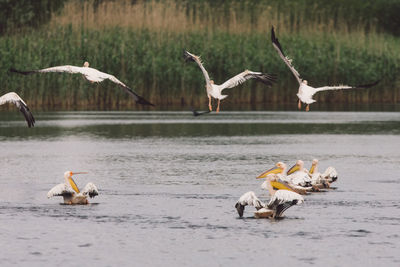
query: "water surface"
168, 183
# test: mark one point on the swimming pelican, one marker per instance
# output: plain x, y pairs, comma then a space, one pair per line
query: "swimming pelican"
322, 179
21, 105
279, 179
299, 175
280, 201
306, 92
90, 74
215, 90
70, 191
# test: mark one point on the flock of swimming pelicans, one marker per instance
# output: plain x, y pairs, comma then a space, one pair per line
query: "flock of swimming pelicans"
286, 187
291, 184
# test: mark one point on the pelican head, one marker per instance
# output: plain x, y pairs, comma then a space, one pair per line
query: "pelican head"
313, 166
305, 82
279, 168
298, 166
86, 64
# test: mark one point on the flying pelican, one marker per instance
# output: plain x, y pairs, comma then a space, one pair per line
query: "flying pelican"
21, 105
280, 201
278, 179
90, 74
215, 90
306, 92
70, 191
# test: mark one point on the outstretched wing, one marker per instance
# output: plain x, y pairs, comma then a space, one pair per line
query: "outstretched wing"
61, 190
191, 57
91, 190
66, 68
265, 78
248, 198
138, 99
341, 87
287, 61
282, 200
20, 104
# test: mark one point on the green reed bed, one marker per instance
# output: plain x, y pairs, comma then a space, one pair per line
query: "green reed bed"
151, 62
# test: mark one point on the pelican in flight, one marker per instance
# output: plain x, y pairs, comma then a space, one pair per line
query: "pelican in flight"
70, 191
90, 74
215, 90
280, 201
21, 105
306, 92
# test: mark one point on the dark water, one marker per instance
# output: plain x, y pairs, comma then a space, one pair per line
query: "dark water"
168, 184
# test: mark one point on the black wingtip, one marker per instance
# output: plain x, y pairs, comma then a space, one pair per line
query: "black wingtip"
144, 102
187, 56
268, 79
20, 71
368, 85
240, 208
197, 113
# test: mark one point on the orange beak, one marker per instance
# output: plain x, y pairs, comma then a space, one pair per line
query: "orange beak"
274, 170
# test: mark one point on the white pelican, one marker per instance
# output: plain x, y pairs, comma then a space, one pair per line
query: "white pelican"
215, 90
299, 175
306, 92
278, 179
280, 201
322, 179
21, 105
70, 191
90, 74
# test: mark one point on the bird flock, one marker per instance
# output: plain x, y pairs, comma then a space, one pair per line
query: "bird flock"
305, 92
285, 186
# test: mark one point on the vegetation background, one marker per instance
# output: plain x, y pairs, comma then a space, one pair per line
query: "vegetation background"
141, 43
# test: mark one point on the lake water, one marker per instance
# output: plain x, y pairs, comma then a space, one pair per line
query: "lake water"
169, 181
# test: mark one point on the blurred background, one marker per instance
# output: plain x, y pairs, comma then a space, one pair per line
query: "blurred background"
141, 43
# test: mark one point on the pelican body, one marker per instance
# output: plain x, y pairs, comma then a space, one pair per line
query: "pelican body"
322, 180
305, 92
90, 74
70, 191
280, 201
20, 104
215, 90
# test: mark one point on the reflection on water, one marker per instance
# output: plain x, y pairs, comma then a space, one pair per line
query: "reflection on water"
168, 183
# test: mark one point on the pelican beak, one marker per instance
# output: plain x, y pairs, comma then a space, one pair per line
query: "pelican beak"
312, 169
73, 173
274, 170
293, 169
72, 182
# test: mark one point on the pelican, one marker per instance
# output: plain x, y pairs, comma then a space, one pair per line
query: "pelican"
90, 74
215, 90
280, 201
21, 105
70, 191
322, 179
299, 175
306, 92
279, 179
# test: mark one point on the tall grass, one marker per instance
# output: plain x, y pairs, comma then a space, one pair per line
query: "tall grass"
142, 45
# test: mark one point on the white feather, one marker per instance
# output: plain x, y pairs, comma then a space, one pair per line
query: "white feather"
91, 190
60, 190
